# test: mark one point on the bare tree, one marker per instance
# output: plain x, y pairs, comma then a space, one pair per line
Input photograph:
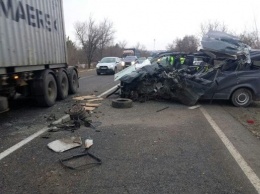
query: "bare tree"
72, 52
213, 26
106, 35
171, 46
250, 38
187, 44
94, 37
140, 46
122, 44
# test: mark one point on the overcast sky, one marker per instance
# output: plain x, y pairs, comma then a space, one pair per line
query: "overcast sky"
144, 21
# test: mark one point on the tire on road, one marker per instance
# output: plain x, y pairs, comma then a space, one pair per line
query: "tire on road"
242, 97
122, 103
49, 90
63, 84
73, 82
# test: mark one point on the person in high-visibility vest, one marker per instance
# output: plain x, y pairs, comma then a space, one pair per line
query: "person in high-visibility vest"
171, 60
182, 60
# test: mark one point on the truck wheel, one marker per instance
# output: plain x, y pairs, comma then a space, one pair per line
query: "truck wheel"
49, 88
242, 97
122, 103
63, 85
73, 82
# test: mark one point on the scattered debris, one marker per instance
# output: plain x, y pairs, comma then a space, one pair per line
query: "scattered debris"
53, 129
89, 108
162, 109
64, 119
91, 105
51, 117
65, 162
84, 97
194, 107
77, 112
95, 99
88, 143
88, 105
122, 103
46, 136
65, 144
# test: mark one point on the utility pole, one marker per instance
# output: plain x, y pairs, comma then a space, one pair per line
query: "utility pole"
256, 29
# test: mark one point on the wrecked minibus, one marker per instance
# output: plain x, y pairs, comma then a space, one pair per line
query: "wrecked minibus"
229, 71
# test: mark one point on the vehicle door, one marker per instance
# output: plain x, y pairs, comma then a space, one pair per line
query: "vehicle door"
226, 80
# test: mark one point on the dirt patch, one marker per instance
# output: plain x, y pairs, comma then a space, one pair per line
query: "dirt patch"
249, 117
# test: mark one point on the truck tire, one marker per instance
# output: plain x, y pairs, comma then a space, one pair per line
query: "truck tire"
122, 103
63, 84
73, 82
49, 90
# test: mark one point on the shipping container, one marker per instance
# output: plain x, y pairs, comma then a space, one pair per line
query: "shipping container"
32, 33
33, 46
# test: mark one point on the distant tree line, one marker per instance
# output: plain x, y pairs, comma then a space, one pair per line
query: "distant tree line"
96, 40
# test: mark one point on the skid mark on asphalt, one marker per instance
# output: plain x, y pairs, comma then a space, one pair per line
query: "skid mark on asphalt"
33, 136
248, 171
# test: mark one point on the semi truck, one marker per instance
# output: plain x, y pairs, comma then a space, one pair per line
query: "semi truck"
33, 53
131, 52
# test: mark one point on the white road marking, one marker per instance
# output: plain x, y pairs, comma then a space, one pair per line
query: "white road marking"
22, 143
30, 138
106, 92
233, 151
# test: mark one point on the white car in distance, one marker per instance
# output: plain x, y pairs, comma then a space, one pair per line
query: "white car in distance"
108, 65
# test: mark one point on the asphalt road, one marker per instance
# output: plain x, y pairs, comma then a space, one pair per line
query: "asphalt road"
142, 150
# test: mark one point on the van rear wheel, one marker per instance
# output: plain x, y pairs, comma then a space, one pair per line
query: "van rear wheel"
242, 97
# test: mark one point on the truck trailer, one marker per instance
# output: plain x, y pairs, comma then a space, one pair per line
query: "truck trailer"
33, 53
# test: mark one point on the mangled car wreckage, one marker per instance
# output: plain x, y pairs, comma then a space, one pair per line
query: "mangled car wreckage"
228, 70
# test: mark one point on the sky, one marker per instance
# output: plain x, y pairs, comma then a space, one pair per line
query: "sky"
156, 23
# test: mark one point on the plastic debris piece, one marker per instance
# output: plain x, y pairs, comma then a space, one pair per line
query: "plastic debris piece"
88, 143
65, 144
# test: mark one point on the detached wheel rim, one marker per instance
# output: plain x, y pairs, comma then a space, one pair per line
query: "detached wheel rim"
242, 98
